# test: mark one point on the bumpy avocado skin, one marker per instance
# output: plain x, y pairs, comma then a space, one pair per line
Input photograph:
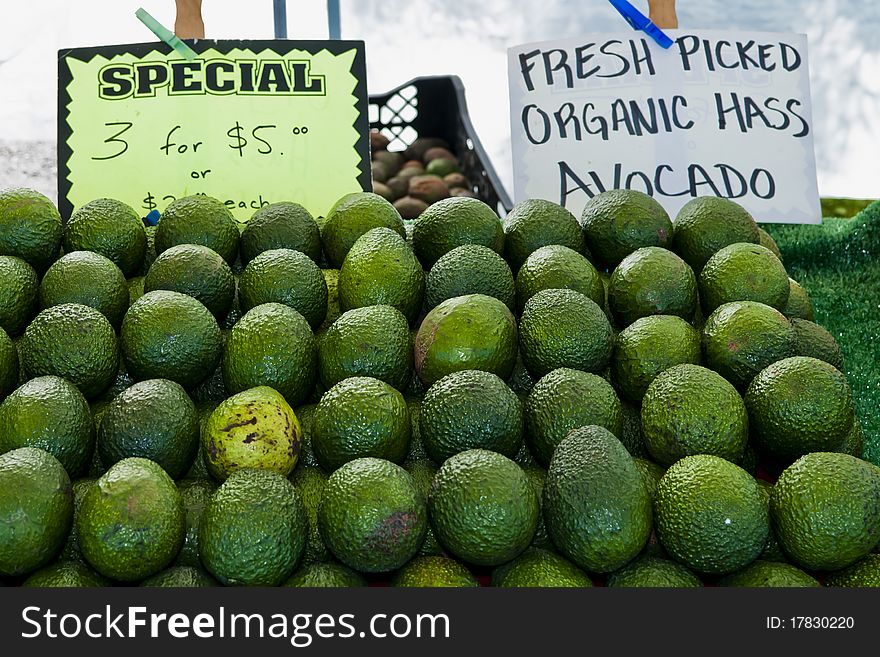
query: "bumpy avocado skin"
596, 506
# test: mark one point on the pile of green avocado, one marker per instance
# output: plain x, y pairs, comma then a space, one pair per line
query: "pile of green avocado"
454, 400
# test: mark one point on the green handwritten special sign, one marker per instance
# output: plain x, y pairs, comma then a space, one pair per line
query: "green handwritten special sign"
248, 122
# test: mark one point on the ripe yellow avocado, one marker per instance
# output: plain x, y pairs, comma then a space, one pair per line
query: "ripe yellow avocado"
254, 429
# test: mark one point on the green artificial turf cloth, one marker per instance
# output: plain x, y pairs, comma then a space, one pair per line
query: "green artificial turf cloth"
838, 263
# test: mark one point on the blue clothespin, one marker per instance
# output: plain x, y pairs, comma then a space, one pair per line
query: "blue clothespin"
152, 218
641, 22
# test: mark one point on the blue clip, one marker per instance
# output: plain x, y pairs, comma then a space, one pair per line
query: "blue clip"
641, 22
152, 218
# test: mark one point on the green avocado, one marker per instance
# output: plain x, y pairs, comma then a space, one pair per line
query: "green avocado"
596, 506
653, 572
202, 220
540, 568
253, 530
619, 221
66, 575
195, 494
351, 217
649, 346
566, 399
468, 410
814, 340
283, 225
153, 419
535, 223
469, 269
564, 328
180, 577
325, 575
36, 509
310, 482
743, 337
707, 224
710, 515
825, 509
74, 342
652, 281
799, 405
689, 409
197, 271
453, 222
433, 572
423, 470
271, 345
558, 267
799, 304
111, 228
360, 417
30, 227
255, 428
372, 516
19, 294
380, 268
287, 277
372, 341
89, 279
864, 573
771, 575
168, 335
483, 507
743, 272
131, 523
473, 332
50, 413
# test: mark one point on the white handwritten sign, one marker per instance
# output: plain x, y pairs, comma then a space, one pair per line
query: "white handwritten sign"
718, 114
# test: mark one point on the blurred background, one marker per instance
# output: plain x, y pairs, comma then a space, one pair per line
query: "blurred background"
469, 38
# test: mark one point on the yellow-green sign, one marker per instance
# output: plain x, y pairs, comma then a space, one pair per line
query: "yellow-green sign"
248, 122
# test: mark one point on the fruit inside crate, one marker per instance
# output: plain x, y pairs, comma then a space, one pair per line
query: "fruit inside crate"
435, 107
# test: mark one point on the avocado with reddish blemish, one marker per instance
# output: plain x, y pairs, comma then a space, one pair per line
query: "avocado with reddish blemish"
131, 523
372, 515
471, 332
741, 338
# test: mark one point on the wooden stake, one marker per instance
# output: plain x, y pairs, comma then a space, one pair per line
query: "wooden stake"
662, 14
189, 24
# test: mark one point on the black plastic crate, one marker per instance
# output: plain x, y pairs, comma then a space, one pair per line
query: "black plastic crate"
435, 106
